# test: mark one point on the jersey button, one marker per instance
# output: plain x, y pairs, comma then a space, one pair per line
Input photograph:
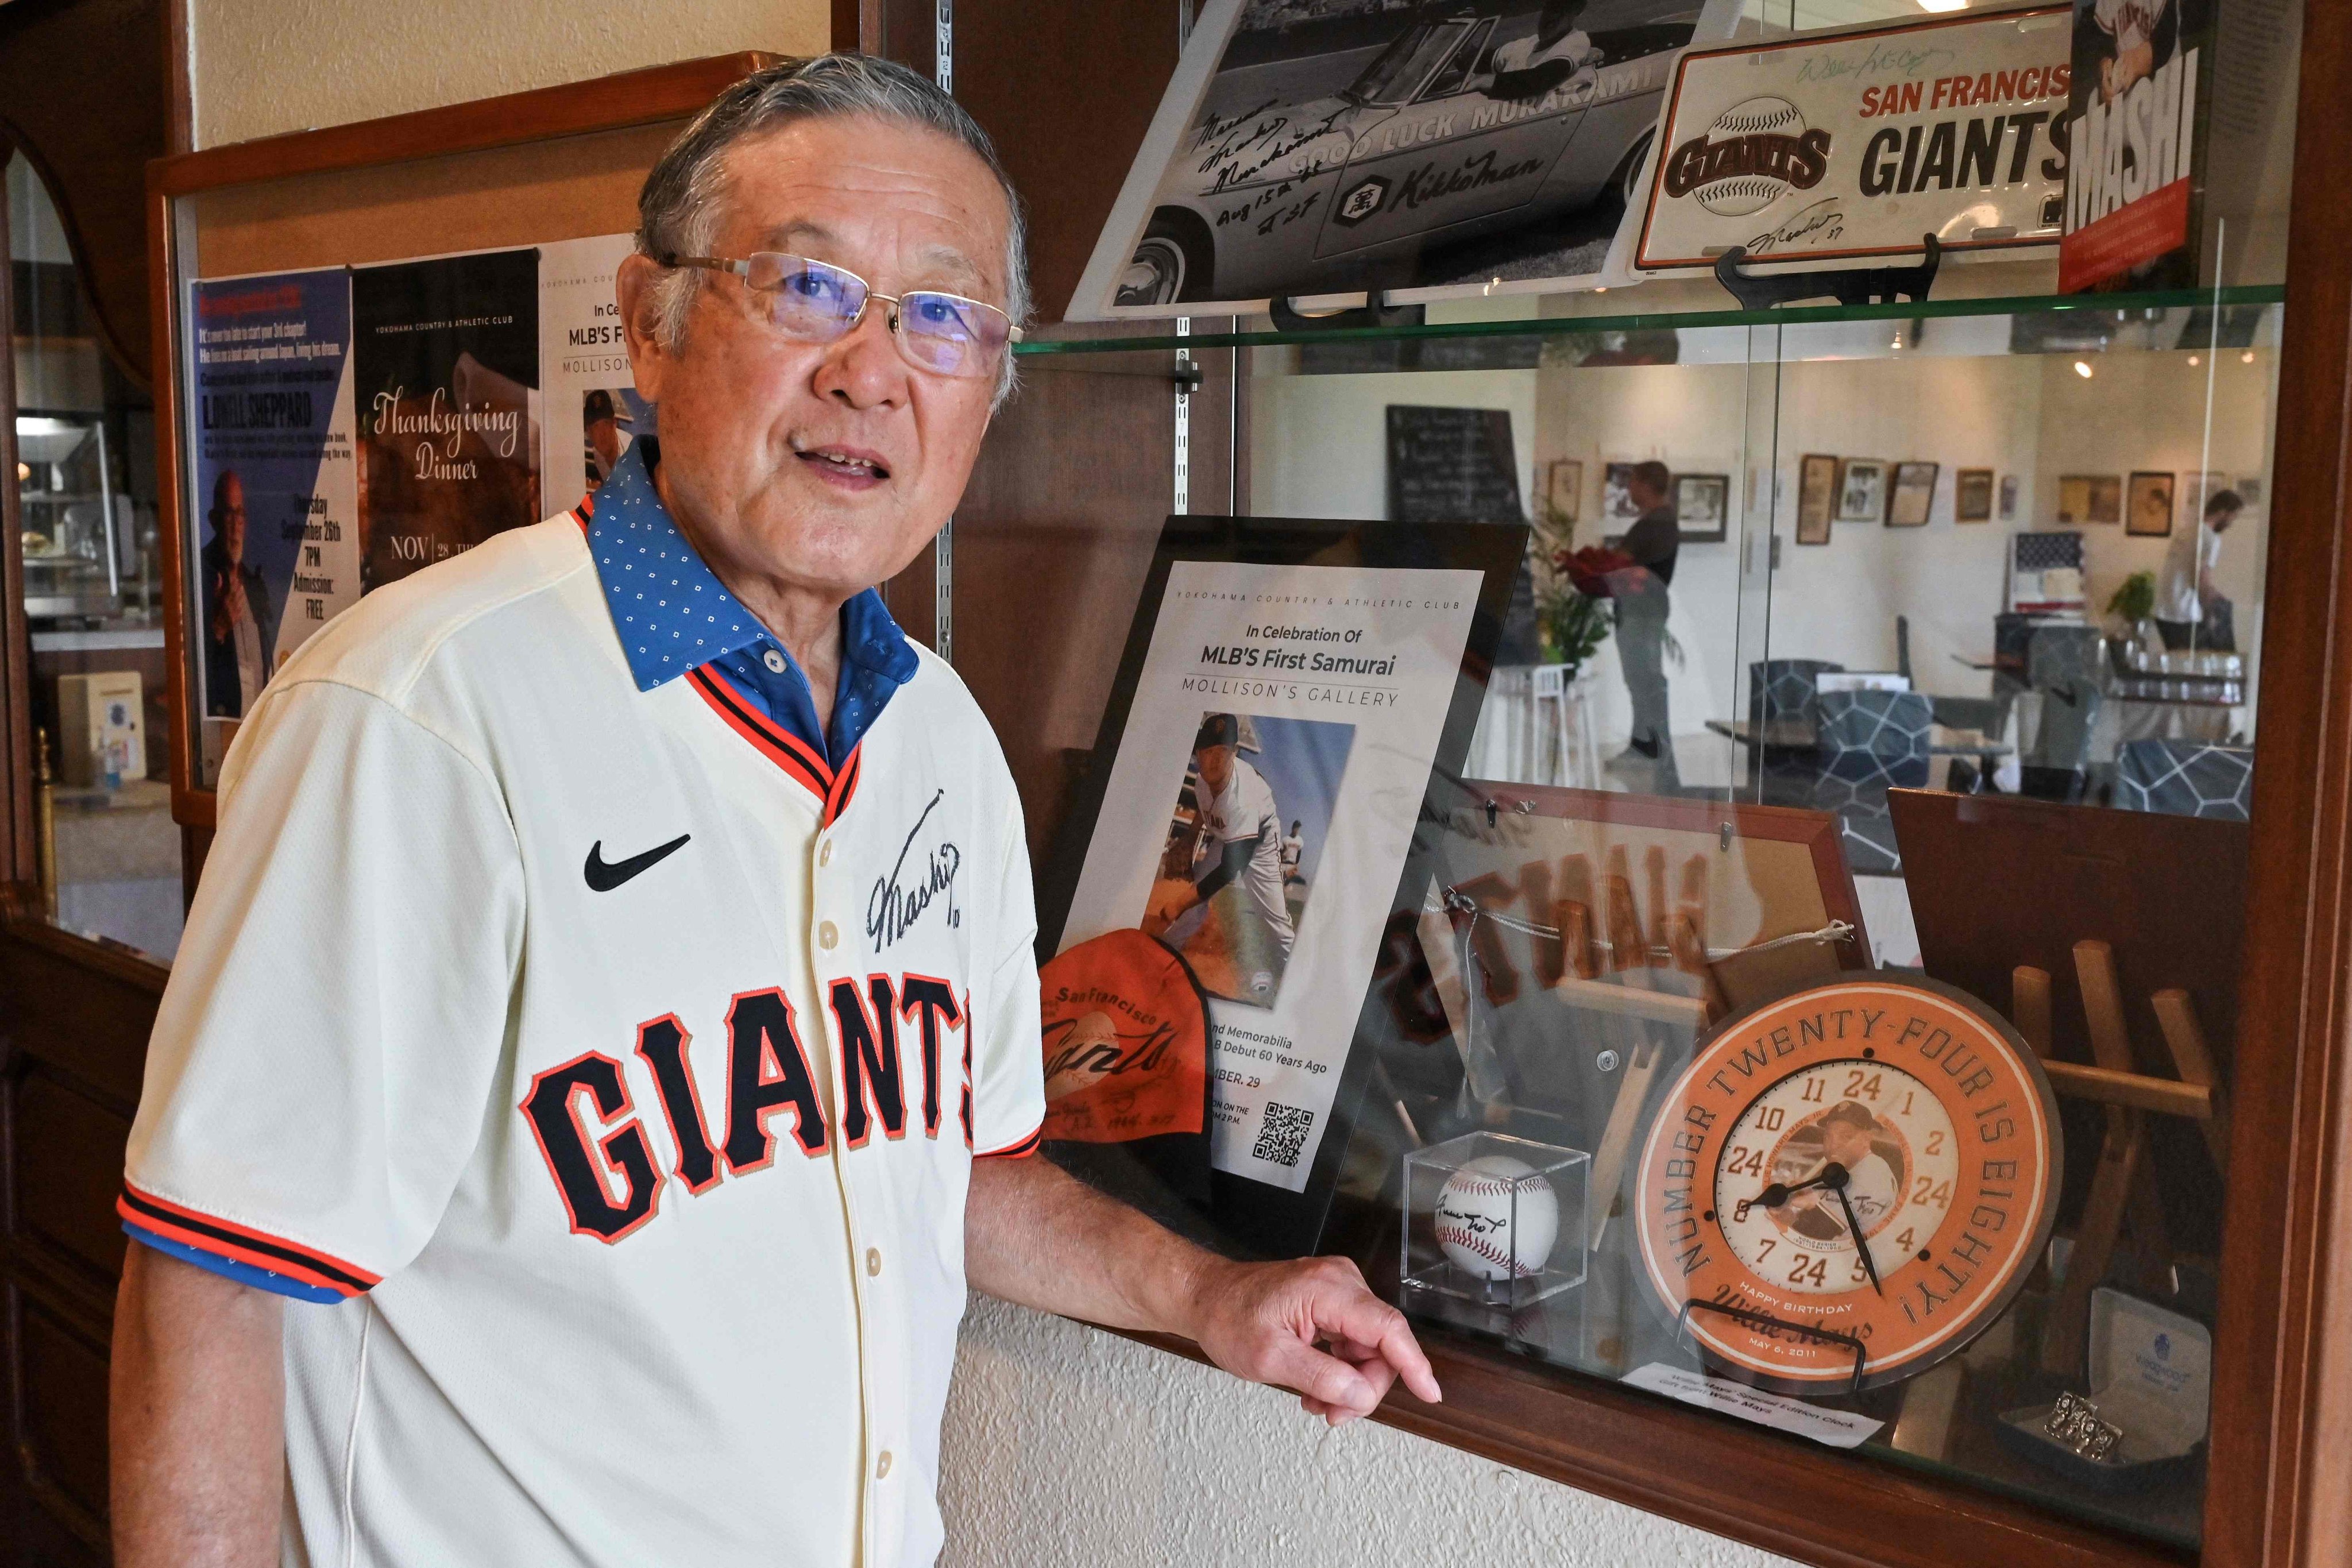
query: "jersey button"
882, 1466
825, 853
826, 936
873, 1261
775, 661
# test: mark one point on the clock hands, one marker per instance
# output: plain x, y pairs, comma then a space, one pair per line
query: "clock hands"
1833, 1175
1854, 1229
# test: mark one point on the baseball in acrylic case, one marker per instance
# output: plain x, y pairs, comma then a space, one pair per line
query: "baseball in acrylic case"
1494, 1219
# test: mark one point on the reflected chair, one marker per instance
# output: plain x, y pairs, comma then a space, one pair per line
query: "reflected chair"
1785, 694
1871, 741
1787, 688
2185, 778
2067, 667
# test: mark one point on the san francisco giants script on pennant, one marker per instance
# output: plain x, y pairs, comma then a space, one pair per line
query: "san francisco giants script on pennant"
1857, 143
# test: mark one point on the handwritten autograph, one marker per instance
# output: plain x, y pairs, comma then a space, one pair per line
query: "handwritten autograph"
1235, 156
893, 910
1820, 223
1881, 59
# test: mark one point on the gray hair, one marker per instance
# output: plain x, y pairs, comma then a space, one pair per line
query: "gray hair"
678, 209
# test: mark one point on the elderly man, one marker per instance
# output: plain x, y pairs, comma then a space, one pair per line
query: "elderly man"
609, 1009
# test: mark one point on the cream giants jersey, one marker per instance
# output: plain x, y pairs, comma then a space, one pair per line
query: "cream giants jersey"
1244, 812
617, 1065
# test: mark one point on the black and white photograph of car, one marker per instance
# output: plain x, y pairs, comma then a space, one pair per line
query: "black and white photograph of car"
1356, 144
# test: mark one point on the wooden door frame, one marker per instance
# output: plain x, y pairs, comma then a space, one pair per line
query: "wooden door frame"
2277, 1493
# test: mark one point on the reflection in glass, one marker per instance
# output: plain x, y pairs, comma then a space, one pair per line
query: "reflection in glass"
86, 492
1902, 624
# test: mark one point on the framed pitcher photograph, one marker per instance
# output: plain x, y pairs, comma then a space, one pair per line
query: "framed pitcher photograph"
1862, 490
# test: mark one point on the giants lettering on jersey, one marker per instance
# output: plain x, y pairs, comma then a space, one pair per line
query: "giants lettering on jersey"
596, 1146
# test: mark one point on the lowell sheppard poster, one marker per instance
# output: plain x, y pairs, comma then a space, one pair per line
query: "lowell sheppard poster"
1258, 812
274, 496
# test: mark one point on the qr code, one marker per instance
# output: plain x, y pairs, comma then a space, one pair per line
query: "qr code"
1283, 1133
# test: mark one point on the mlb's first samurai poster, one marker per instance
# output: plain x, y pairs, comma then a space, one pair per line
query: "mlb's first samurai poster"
1312, 147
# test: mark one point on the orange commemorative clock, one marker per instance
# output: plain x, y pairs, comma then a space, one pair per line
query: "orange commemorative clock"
1848, 1184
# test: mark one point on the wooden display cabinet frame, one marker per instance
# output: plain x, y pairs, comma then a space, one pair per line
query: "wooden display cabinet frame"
2277, 1494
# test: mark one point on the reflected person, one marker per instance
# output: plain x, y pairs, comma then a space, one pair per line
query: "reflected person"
1643, 604
2190, 611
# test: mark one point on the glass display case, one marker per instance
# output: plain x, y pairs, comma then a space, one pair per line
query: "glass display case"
85, 494
64, 491
1847, 874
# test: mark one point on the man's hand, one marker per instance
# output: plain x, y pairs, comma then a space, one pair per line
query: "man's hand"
1264, 1321
1171, 896
1036, 1236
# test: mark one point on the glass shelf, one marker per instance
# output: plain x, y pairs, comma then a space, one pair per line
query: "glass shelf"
2011, 306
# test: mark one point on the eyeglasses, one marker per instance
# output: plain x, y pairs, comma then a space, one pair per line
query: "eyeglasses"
817, 303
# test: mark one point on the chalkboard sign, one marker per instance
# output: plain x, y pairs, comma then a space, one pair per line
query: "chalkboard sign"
1452, 465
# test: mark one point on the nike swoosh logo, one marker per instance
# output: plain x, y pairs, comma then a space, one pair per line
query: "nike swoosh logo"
604, 879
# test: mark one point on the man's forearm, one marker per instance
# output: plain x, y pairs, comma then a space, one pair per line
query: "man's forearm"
1229, 864
197, 1421
1036, 1236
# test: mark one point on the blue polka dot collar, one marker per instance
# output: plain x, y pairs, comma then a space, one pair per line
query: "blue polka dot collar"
673, 614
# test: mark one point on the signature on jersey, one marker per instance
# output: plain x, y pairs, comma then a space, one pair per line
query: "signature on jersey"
895, 907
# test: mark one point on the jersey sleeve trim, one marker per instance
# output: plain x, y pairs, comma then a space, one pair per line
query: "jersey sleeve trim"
242, 1244
230, 1268
1020, 1150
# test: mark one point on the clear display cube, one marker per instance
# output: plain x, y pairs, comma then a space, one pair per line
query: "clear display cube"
1494, 1219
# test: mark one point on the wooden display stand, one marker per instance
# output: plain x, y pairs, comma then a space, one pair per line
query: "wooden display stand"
2122, 1192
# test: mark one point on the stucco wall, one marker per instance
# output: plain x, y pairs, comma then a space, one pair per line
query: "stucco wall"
1063, 1447
1067, 1446
261, 66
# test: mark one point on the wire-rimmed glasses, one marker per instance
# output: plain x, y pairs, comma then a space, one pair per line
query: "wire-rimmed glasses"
817, 302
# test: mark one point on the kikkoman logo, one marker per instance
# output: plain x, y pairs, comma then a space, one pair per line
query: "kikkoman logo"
1755, 153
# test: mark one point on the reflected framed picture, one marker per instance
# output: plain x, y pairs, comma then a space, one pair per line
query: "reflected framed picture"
1703, 508
1563, 489
1817, 491
1617, 511
2192, 491
1862, 490
2150, 513
1972, 495
2090, 498
2008, 498
1914, 493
